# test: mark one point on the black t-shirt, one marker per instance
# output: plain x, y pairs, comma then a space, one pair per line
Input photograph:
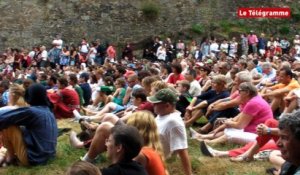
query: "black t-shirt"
124, 168
183, 103
289, 169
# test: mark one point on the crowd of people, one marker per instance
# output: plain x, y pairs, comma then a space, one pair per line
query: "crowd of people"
244, 91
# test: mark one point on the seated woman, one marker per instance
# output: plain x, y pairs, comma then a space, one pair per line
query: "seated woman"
151, 156
16, 99
120, 92
65, 100
199, 104
30, 133
241, 129
266, 140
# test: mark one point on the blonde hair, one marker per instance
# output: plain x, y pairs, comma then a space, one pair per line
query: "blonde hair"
158, 85
17, 93
219, 79
145, 123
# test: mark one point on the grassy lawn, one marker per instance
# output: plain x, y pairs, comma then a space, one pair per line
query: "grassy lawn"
66, 155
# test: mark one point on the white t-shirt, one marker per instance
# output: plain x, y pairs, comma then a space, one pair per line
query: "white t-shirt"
84, 48
58, 43
172, 132
195, 88
44, 55
93, 52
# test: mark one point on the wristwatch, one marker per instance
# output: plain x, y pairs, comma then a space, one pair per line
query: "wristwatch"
269, 131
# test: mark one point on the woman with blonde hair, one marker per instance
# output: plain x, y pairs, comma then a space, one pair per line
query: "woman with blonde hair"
16, 99
16, 96
151, 156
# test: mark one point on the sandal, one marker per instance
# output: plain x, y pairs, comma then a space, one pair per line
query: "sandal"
241, 159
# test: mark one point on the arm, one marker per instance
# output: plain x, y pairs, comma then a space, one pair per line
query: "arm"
277, 92
117, 92
226, 104
201, 105
242, 121
20, 116
185, 161
206, 85
262, 129
127, 95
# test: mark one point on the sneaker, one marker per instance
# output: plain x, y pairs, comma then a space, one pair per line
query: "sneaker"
77, 115
193, 133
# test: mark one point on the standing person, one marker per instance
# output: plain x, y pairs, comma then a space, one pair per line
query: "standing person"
64, 57
252, 40
43, 57
74, 57
111, 53
84, 48
101, 52
35, 142
233, 47
244, 44
171, 127
57, 47
92, 54
127, 53
262, 44
285, 45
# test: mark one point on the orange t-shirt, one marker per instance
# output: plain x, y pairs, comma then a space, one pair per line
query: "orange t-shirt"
155, 165
292, 85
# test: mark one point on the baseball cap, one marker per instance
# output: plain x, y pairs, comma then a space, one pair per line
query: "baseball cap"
105, 89
164, 95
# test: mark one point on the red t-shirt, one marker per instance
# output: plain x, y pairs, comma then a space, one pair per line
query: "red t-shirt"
174, 78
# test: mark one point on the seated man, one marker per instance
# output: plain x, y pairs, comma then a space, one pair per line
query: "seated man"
226, 107
199, 104
268, 75
277, 92
124, 143
30, 133
289, 142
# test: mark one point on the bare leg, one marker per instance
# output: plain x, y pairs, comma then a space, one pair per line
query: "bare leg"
293, 105
276, 103
195, 115
276, 159
98, 143
107, 108
220, 139
74, 141
206, 128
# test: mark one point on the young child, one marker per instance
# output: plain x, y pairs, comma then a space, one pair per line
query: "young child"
120, 92
185, 97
